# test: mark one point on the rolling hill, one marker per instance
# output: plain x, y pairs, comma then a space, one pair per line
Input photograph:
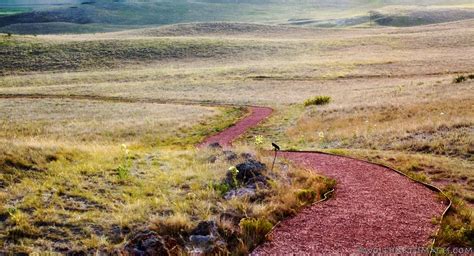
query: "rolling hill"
105, 16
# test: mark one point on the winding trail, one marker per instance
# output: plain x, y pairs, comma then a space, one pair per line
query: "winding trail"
373, 208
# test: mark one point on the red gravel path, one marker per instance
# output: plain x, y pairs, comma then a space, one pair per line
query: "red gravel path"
225, 138
372, 208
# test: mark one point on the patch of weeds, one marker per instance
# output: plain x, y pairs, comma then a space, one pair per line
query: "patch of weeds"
418, 176
254, 231
259, 140
306, 196
222, 187
459, 79
335, 151
457, 228
317, 100
234, 171
463, 78
123, 171
20, 225
172, 225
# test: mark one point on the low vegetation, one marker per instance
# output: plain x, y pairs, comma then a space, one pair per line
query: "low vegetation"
317, 100
462, 78
80, 202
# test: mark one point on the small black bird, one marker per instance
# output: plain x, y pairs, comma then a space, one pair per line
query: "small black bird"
275, 146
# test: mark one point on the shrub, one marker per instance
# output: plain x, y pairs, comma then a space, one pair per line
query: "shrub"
317, 100
471, 76
254, 231
222, 188
306, 196
123, 171
459, 79
9, 34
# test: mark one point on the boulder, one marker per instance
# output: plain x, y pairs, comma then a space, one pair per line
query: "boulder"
205, 238
146, 243
239, 192
205, 228
250, 170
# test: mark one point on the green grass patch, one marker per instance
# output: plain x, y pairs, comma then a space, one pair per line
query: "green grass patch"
254, 231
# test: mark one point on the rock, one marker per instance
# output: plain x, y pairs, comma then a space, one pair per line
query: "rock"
117, 233
249, 170
258, 183
214, 145
205, 228
230, 155
205, 238
146, 243
201, 241
239, 192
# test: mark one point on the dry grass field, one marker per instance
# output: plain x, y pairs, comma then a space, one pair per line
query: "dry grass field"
69, 102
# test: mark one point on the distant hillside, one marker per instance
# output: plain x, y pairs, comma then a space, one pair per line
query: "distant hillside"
112, 15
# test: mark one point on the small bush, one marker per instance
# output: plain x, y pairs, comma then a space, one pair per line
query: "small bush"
471, 76
318, 100
222, 188
9, 34
254, 231
306, 196
123, 172
459, 79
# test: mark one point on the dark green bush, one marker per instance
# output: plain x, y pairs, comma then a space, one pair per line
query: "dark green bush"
459, 79
317, 100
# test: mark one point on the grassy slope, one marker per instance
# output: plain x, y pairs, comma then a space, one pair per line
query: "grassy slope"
107, 16
29, 54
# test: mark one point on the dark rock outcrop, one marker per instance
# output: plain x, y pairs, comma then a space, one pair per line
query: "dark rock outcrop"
146, 243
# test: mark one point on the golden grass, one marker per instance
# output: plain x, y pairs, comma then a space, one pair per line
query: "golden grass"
79, 196
97, 122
